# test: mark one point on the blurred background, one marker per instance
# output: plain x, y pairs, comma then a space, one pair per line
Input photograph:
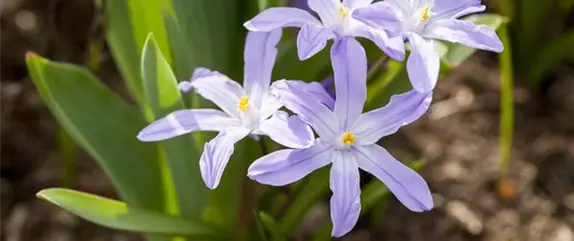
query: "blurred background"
477, 198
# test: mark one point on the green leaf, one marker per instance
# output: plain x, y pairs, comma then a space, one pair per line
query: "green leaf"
458, 53
118, 215
378, 93
147, 17
213, 32
530, 24
105, 126
162, 94
272, 226
550, 56
123, 46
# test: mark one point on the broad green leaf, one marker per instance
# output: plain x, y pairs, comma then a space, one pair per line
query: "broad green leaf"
118, 215
214, 32
104, 125
214, 35
458, 53
371, 193
183, 61
147, 17
123, 46
160, 87
183, 67
506, 102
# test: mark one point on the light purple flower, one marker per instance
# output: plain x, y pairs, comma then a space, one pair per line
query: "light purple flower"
421, 21
336, 22
247, 110
347, 140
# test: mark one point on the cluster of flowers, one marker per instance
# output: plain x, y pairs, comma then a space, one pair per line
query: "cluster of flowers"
347, 136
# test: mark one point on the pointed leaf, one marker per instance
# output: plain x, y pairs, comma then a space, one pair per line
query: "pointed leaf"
163, 96
118, 215
104, 125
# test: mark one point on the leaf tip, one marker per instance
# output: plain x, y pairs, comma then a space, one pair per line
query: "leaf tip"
30, 54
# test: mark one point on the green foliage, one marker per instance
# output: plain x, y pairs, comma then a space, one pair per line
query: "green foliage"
160, 87
104, 125
119, 215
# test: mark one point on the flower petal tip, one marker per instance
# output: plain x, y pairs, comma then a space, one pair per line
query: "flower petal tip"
145, 137
211, 186
339, 232
425, 204
249, 26
185, 86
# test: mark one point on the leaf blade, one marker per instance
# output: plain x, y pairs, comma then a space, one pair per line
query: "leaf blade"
118, 215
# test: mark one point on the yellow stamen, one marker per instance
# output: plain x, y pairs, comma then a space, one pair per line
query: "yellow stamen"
243, 103
348, 138
343, 11
425, 13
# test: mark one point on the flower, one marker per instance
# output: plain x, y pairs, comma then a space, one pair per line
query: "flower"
421, 21
347, 140
247, 110
336, 22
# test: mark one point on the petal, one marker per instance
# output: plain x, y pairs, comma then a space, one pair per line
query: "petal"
259, 56
402, 110
328, 11
289, 131
393, 47
383, 15
346, 199
280, 17
319, 116
456, 8
352, 4
220, 90
317, 90
185, 86
216, 154
287, 166
350, 70
185, 121
312, 39
423, 64
467, 33
269, 106
407, 185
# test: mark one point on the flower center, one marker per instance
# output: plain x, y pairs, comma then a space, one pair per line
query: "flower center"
243, 103
425, 13
348, 138
343, 11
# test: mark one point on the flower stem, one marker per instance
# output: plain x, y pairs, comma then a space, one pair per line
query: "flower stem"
376, 66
